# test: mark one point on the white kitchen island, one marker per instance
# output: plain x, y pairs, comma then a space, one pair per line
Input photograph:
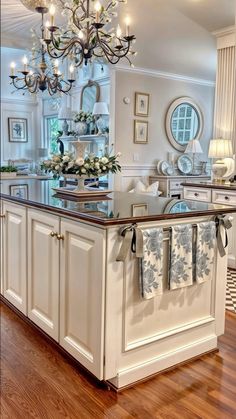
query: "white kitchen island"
60, 271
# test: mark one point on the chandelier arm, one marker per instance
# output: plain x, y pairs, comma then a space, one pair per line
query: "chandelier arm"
110, 51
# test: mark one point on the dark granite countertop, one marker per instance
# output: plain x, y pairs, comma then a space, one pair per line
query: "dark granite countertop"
117, 208
231, 187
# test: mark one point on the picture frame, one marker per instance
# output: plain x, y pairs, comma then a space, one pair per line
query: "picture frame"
140, 132
139, 210
18, 130
141, 107
19, 191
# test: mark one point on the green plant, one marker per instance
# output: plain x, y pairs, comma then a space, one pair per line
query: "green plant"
8, 169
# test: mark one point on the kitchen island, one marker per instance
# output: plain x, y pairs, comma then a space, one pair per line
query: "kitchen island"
60, 271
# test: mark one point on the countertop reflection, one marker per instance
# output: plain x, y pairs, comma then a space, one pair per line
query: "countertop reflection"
116, 208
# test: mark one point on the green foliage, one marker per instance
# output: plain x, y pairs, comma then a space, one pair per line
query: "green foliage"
8, 169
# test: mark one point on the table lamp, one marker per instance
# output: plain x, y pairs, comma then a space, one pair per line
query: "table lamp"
220, 149
194, 147
100, 109
65, 114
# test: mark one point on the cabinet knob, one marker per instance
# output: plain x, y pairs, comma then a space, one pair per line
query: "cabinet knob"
227, 198
60, 237
53, 234
2, 215
196, 194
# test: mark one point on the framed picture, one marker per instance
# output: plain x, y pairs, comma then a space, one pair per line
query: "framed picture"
140, 132
19, 191
18, 130
141, 107
138, 210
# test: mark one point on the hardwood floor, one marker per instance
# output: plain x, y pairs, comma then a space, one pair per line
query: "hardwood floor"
38, 382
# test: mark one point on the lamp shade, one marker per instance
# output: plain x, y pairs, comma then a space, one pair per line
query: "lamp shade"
220, 148
66, 113
100, 108
194, 147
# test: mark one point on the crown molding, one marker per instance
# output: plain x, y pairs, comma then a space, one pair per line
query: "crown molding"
18, 101
165, 75
229, 30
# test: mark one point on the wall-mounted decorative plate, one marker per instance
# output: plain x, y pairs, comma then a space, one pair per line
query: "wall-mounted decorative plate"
164, 167
185, 164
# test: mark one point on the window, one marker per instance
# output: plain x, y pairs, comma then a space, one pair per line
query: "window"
51, 133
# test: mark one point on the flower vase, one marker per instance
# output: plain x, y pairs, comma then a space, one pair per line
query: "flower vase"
81, 128
80, 147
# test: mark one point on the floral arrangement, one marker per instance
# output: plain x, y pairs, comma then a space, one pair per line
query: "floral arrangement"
90, 166
83, 116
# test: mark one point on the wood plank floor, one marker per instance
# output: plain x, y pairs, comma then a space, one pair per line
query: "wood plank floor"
38, 382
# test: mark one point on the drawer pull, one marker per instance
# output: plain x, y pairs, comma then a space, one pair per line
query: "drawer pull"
2, 215
227, 198
196, 194
60, 237
53, 234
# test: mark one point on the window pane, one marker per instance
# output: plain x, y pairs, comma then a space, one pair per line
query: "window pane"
52, 133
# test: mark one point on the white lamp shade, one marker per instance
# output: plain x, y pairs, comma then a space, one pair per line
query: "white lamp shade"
66, 113
100, 108
220, 148
194, 147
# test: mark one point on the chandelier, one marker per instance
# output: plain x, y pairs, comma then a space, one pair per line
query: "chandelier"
85, 36
41, 78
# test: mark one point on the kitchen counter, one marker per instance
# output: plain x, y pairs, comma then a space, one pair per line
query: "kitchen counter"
60, 270
117, 208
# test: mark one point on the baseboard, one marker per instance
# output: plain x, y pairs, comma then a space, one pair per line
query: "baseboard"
130, 376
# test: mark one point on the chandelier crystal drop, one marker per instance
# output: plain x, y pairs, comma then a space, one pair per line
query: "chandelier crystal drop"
40, 77
86, 37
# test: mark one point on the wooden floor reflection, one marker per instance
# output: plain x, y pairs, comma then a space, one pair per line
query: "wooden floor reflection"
38, 382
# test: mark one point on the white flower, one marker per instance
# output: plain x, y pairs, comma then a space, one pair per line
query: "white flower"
56, 159
83, 170
70, 165
66, 158
110, 165
104, 160
104, 168
97, 166
57, 167
80, 161
99, 171
86, 166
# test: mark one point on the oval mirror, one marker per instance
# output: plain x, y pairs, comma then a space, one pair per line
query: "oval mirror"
184, 122
89, 95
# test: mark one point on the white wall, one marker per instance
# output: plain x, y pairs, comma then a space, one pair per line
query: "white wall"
15, 105
162, 92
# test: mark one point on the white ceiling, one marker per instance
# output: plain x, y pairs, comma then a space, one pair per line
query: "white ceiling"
172, 35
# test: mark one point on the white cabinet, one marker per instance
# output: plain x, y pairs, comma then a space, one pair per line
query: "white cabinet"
82, 281
14, 255
172, 186
43, 271
217, 196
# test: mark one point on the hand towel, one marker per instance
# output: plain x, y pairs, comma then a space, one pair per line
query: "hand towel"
205, 250
151, 264
181, 238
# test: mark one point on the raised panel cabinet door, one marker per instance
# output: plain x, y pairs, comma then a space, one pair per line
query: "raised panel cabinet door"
14, 255
82, 279
43, 271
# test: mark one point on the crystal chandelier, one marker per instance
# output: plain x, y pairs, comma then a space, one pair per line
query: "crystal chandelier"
41, 79
86, 36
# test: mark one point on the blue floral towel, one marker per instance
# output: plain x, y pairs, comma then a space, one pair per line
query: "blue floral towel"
151, 270
205, 250
181, 256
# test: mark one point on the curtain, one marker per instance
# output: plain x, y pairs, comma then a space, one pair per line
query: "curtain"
225, 96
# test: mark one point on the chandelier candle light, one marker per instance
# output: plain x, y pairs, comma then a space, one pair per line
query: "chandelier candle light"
40, 79
86, 37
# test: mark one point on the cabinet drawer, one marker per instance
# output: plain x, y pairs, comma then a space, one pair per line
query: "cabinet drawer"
176, 184
224, 197
197, 194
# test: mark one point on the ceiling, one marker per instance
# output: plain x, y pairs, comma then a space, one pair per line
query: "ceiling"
172, 35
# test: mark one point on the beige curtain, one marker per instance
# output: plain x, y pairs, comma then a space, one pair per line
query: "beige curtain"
225, 97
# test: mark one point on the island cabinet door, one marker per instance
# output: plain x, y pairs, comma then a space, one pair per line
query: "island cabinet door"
43, 271
82, 278
14, 255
